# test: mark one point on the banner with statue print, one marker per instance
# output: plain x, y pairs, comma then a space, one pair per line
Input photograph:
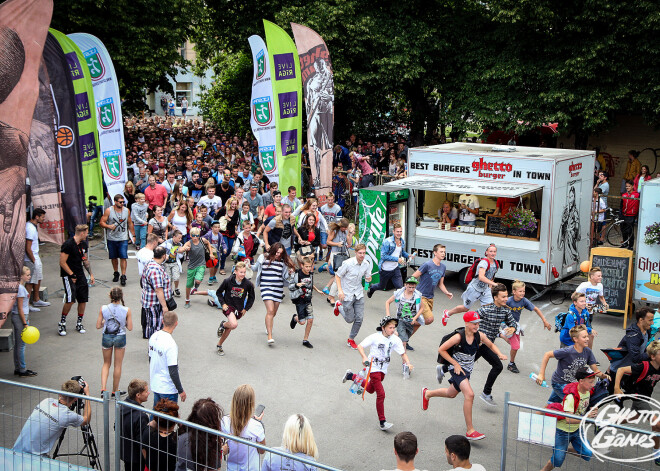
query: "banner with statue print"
319, 92
261, 108
287, 94
109, 122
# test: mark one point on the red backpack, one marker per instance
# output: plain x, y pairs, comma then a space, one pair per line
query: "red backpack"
570, 388
472, 271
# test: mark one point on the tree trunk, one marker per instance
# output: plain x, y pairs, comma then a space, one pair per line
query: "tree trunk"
418, 114
581, 139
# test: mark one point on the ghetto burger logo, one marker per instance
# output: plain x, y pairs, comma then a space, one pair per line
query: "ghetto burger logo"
611, 443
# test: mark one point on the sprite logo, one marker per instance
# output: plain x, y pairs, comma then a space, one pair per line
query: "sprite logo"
112, 162
106, 111
267, 156
94, 63
262, 110
261, 64
372, 225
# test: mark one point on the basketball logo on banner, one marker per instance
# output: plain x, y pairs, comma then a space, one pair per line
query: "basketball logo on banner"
95, 64
262, 110
112, 162
106, 113
64, 137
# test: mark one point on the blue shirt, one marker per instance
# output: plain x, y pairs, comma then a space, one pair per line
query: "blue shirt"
516, 307
431, 276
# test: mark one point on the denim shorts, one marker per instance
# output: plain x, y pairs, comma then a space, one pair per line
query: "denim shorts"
117, 249
324, 238
113, 341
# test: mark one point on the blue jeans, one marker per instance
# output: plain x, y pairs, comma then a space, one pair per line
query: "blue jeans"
230, 243
140, 235
97, 210
385, 277
561, 445
557, 394
159, 396
19, 345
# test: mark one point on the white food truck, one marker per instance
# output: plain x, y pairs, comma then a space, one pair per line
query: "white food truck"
556, 184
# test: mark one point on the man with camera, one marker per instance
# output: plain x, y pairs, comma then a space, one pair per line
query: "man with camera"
51, 417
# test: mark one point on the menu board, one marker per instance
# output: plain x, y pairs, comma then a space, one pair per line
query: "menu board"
616, 265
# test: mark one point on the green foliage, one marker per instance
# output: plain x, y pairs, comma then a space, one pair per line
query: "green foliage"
143, 38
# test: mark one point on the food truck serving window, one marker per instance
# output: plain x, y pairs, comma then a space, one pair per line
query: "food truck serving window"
463, 185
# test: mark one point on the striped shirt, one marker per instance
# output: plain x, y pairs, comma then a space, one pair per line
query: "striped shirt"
272, 279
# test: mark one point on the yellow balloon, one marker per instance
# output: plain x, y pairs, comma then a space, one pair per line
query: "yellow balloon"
203, 144
30, 334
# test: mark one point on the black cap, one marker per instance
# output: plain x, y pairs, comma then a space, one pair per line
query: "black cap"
311, 194
584, 372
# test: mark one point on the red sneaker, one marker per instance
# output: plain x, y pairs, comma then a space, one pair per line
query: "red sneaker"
425, 401
351, 343
338, 308
445, 317
475, 436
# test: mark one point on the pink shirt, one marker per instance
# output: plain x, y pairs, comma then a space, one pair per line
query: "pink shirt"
155, 196
364, 166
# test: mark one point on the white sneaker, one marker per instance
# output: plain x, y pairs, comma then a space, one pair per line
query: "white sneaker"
41, 303
488, 399
62, 328
33, 309
386, 426
80, 328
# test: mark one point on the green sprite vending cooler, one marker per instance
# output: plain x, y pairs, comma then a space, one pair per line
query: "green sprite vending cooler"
379, 208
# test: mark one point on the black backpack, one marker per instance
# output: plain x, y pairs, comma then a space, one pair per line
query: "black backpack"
455, 348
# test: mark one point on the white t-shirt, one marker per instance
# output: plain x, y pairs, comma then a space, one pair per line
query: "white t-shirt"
32, 234
475, 467
381, 348
389, 265
163, 353
44, 426
241, 457
212, 203
592, 292
472, 202
144, 256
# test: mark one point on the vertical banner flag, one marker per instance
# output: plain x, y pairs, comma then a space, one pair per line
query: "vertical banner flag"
88, 140
319, 92
287, 94
261, 108
108, 111
70, 180
23, 29
42, 163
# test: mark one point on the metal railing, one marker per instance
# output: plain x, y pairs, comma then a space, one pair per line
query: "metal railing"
528, 442
98, 445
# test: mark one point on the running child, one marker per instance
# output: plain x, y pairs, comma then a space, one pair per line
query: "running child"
480, 285
430, 275
235, 296
464, 346
409, 307
593, 289
516, 303
381, 344
246, 245
577, 315
301, 284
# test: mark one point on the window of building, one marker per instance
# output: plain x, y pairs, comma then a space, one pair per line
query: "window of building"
183, 89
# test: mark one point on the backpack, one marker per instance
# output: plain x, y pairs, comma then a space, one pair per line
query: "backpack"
112, 325
455, 348
472, 271
560, 320
570, 388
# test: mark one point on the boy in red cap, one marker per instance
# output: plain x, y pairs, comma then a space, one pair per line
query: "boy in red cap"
460, 351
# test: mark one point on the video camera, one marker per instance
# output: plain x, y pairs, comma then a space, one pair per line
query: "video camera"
79, 405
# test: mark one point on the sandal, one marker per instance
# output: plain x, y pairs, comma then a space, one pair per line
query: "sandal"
222, 272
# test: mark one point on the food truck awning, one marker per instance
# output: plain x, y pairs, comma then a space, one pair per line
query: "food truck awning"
465, 185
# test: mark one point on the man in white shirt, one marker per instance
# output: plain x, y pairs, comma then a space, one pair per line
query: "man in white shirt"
50, 417
291, 199
405, 450
331, 211
164, 362
351, 294
212, 202
146, 253
33, 261
170, 181
469, 210
457, 449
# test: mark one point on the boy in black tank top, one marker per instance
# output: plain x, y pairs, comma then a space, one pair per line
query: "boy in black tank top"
460, 351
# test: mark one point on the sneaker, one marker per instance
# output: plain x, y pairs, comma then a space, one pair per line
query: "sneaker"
41, 303
425, 401
657, 461
409, 347
293, 322
348, 376
210, 302
307, 344
211, 281
513, 368
386, 426
26, 373
323, 268
219, 350
351, 343
80, 328
122, 280
326, 291
193, 291
445, 317
187, 304
370, 292
271, 341
62, 328
115, 277
118, 394
177, 293
221, 329
339, 309
439, 373
33, 309
488, 399
475, 436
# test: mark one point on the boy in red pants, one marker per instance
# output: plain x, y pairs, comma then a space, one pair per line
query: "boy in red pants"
381, 343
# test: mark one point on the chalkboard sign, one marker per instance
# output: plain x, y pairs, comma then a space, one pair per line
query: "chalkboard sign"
616, 265
494, 227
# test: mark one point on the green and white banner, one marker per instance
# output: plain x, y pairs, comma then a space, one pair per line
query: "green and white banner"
109, 122
372, 225
287, 94
88, 139
262, 119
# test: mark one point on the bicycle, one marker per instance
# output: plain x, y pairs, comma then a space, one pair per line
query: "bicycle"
616, 228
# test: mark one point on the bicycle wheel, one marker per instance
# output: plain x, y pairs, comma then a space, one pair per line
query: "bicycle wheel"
614, 234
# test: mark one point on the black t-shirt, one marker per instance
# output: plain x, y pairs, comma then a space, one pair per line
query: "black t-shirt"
161, 451
77, 254
646, 385
224, 194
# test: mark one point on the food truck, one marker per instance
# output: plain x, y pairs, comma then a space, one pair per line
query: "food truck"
647, 263
556, 184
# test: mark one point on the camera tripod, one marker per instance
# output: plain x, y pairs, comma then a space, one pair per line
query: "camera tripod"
89, 449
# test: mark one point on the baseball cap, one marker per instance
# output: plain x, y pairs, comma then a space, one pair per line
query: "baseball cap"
412, 279
311, 194
584, 372
472, 317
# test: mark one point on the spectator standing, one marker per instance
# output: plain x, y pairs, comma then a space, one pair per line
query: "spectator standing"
330, 210
33, 261
156, 291
603, 182
181, 218
633, 168
644, 176
170, 107
73, 256
133, 423
159, 445
115, 319
140, 219
230, 212
350, 292
405, 450
291, 199
457, 450
362, 162
298, 440
158, 225
210, 201
184, 107
164, 362
19, 319
117, 221
199, 450
256, 205
155, 194
281, 229
629, 212
242, 423
469, 210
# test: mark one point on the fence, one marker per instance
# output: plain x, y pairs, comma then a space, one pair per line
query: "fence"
99, 444
528, 439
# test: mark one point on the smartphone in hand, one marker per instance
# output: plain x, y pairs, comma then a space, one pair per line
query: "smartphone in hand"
259, 410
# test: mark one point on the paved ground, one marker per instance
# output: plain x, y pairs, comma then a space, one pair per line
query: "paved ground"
290, 379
